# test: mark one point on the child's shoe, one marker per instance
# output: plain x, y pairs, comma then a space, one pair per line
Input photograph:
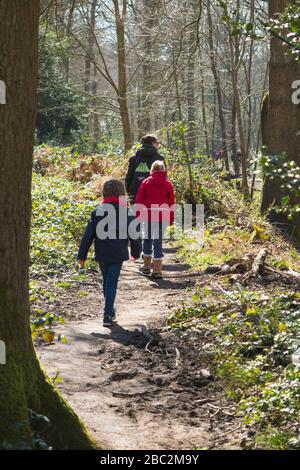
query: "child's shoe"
107, 322
157, 269
146, 268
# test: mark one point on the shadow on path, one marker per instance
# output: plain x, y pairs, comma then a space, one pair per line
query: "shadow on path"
178, 267
120, 335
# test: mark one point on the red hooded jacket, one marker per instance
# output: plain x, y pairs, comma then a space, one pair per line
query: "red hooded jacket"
157, 195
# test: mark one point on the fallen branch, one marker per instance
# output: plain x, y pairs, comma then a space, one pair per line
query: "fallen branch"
259, 263
232, 266
258, 267
129, 394
289, 275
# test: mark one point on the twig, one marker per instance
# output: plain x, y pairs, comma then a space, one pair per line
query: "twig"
218, 287
213, 406
201, 401
147, 348
177, 357
232, 430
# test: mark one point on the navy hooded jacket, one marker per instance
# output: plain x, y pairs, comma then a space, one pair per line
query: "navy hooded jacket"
112, 249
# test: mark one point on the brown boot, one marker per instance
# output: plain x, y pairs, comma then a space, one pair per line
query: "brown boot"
146, 268
157, 269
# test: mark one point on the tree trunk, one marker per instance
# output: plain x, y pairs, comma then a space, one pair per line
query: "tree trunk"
204, 118
218, 87
190, 85
94, 119
69, 26
90, 85
23, 384
238, 109
234, 146
280, 130
203, 103
122, 85
148, 21
181, 132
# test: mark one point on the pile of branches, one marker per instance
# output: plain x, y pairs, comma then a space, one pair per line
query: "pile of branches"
253, 268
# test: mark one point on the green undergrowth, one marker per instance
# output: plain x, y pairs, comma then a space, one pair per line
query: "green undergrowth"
66, 188
250, 333
252, 339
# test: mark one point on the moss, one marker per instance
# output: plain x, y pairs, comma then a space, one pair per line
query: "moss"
67, 431
14, 423
20, 393
24, 386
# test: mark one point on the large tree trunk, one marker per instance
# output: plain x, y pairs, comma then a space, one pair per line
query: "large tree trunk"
23, 384
281, 118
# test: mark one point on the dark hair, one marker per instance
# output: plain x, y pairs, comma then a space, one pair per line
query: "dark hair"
149, 139
113, 187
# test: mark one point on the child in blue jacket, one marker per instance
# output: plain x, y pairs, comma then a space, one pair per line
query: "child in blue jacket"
108, 228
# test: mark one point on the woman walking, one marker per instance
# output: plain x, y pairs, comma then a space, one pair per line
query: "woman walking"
157, 196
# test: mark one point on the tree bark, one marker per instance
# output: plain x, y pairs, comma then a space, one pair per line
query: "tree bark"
234, 145
23, 384
218, 87
69, 26
148, 21
190, 85
122, 84
204, 118
238, 110
280, 131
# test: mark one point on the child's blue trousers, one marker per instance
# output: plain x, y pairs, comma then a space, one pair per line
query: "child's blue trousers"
152, 243
110, 273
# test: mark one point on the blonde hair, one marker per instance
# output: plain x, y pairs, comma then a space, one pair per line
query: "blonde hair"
158, 166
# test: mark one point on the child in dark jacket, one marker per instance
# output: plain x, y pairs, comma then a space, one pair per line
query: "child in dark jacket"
157, 195
108, 229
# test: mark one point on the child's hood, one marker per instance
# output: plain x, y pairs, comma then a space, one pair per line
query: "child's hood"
157, 178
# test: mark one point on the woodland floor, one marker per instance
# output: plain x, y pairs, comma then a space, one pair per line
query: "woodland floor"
135, 395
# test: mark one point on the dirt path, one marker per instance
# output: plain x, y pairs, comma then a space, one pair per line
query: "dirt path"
134, 396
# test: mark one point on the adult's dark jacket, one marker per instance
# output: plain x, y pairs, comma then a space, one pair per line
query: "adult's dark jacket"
145, 154
108, 250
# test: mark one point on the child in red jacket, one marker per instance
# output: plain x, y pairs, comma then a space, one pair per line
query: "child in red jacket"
157, 196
